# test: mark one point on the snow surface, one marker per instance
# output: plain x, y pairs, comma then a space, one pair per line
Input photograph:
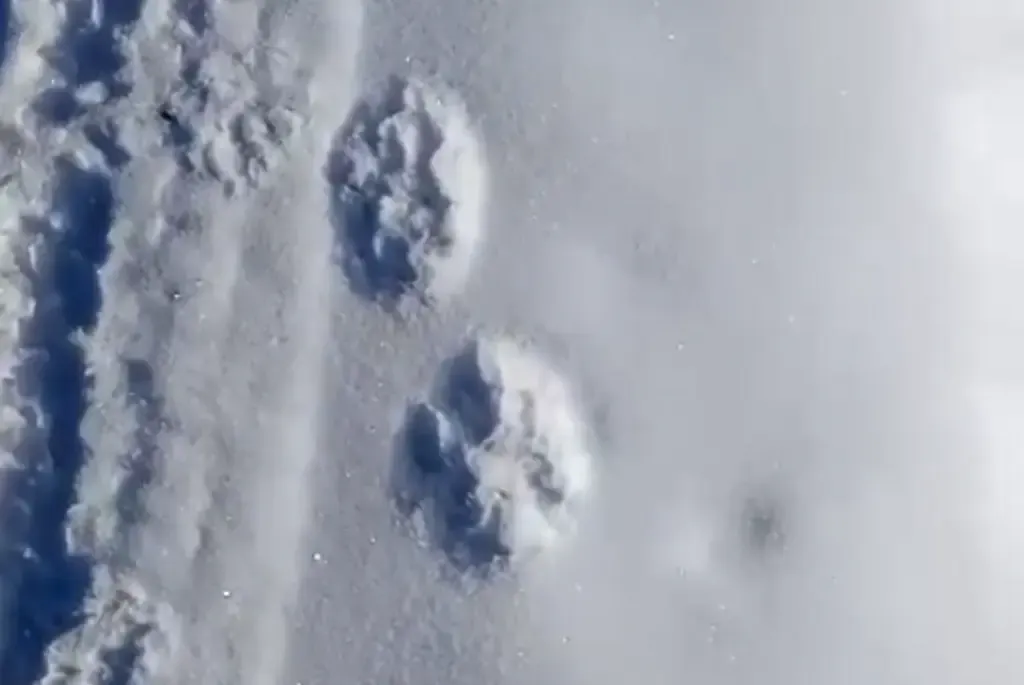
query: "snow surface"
496, 467
483, 341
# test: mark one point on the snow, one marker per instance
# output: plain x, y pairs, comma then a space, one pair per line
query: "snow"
495, 469
410, 179
510, 342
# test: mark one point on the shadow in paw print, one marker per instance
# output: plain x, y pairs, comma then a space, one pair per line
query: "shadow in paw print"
432, 480
388, 207
468, 397
473, 468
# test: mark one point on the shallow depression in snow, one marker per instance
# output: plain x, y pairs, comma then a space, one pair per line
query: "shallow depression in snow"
407, 183
494, 468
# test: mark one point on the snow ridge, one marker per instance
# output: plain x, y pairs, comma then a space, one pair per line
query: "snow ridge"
68, 615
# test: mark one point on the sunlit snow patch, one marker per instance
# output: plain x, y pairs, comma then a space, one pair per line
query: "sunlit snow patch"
408, 182
493, 470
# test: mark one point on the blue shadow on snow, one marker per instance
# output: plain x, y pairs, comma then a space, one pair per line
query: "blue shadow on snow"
54, 582
431, 478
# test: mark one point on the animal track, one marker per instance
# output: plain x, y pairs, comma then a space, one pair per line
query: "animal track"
493, 469
407, 183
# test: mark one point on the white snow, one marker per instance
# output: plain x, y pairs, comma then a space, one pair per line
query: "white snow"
496, 468
523, 342
410, 182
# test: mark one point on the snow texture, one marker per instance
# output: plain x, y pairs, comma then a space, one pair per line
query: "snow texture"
408, 180
495, 469
767, 426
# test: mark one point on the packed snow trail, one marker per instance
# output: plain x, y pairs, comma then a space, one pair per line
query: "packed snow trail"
204, 361
240, 379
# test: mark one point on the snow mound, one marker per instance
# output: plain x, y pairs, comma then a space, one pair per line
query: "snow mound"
494, 469
407, 180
